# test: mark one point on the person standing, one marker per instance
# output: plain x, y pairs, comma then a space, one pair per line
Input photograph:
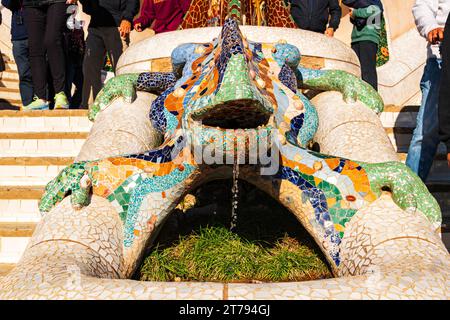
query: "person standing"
19, 39
74, 48
45, 21
161, 15
109, 31
322, 16
430, 17
2, 63
444, 93
366, 17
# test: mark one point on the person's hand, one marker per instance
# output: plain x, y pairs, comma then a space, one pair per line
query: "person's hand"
138, 27
329, 32
71, 1
435, 35
125, 28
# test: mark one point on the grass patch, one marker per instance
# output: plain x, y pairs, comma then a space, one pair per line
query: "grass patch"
217, 254
268, 245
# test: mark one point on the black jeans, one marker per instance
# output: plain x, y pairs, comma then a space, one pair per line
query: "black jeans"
74, 76
367, 54
45, 26
99, 41
444, 91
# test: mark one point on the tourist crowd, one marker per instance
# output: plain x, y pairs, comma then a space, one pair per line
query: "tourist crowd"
52, 58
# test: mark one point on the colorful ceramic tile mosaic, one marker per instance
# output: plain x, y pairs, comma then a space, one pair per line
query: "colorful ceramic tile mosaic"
206, 13
224, 99
227, 90
383, 48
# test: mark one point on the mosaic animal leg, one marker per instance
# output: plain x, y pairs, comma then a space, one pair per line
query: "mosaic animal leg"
336, 188
120, 86
126, 85
73, 179
408, 190
351, 87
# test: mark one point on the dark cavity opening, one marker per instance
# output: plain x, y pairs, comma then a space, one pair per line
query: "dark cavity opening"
239, 114
268, 244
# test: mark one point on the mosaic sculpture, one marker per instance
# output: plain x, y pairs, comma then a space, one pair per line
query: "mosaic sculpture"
238, 84
223, 99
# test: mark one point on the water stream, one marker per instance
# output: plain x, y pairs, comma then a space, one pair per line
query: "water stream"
234, 194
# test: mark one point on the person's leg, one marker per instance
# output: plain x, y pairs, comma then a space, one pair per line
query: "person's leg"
115, 44
92, 66
355, 47
367, 53
21, 53
35, 21
78, 82
2, 63
69, 79
444, 93
53, 42
425, 138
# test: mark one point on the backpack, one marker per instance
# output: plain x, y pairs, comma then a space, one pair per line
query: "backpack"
361, 23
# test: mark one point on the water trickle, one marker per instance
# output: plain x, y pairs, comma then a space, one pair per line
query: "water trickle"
234, 194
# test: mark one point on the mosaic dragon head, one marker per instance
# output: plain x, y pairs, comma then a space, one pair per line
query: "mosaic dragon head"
232, 100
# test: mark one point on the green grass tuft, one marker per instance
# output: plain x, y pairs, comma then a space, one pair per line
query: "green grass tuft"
268, 244
217, 254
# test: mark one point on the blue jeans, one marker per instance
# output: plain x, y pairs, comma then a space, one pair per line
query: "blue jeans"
21, 56
425, 138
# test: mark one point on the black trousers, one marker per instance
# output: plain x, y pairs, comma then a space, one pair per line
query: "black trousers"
45, 26
367, 54
444, 91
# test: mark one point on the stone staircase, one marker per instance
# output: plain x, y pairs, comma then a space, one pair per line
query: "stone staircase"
34, 147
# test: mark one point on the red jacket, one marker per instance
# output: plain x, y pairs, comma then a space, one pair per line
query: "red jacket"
167, 14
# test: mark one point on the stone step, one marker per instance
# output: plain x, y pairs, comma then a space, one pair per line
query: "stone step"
17, 229
44, 121
21, 192
404, 108
10, 93
36, 171
10, 65
19, 210
44, 113
394, 116
28, 176
12, 248
9, 74
9, 62
36, 161
53, 146
9, 83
